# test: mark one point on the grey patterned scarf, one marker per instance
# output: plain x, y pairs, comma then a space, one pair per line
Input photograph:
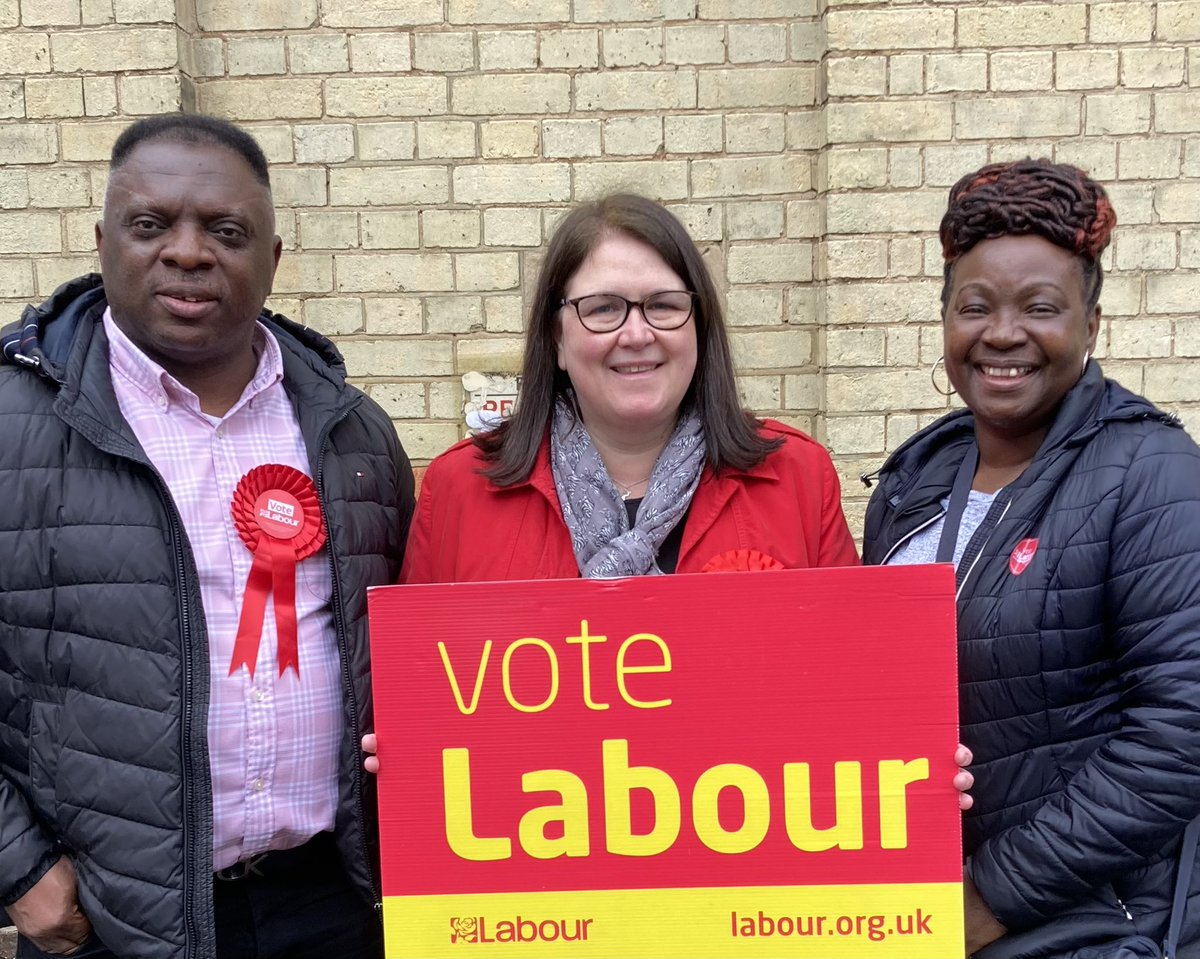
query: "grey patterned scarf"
593, 510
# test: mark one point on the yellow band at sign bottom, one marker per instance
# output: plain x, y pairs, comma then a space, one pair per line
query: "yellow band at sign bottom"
901, 921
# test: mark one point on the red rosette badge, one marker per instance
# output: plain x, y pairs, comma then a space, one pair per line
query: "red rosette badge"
278, 517
741, 560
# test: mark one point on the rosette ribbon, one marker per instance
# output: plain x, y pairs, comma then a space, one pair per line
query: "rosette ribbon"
278, 517
741, 560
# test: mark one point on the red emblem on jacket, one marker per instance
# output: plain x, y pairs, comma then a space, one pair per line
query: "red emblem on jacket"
1022, 556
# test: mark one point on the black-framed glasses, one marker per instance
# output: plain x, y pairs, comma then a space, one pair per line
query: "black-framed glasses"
605, 312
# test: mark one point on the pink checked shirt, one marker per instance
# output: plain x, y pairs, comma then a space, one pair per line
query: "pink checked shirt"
273, 741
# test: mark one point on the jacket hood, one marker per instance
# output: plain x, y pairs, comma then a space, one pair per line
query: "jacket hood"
1091, 403
44, 335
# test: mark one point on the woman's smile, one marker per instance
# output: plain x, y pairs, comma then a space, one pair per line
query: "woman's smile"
1005, 372
632, 368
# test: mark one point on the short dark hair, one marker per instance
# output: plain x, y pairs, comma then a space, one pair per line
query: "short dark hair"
193, 128
730, 433
1055, 201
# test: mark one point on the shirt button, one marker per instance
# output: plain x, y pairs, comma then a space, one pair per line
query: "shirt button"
258, 785
161, 401
259, 695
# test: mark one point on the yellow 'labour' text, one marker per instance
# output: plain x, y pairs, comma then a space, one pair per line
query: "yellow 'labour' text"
570, 813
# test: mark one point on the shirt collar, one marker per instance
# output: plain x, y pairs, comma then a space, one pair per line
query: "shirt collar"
125, 359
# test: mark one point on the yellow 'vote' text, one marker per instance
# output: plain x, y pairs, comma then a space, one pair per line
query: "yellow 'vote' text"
621, 667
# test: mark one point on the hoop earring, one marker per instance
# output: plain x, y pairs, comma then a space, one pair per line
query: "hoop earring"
940, 361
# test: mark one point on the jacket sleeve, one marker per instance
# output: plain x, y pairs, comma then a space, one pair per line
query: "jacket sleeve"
405, 483
837, 545
1134, 795
419, 559
26, 851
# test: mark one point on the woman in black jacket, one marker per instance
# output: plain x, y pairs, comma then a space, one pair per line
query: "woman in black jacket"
1071, 508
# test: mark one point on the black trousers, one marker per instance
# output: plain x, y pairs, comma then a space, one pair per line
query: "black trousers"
296, 904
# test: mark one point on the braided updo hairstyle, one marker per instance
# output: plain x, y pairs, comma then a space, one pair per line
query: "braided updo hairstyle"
1056, 201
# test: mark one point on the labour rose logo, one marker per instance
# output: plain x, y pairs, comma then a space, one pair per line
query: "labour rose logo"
464, 929
1021, 556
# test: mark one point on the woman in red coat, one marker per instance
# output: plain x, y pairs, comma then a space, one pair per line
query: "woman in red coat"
629, 452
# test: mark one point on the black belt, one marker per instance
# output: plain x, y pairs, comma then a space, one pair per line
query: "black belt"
318, 852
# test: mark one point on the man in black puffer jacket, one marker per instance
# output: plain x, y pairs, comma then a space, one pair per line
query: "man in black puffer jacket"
160, 798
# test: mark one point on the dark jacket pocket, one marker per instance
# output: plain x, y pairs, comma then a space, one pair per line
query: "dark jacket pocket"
44, 748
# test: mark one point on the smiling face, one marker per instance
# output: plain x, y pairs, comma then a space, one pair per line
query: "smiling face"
1016, 332
631, 382
188, 253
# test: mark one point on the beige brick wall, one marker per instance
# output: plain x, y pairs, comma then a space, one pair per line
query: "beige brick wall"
1113, 87
423, 150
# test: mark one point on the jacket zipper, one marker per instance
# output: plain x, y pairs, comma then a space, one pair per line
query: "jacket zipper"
979, 554
191, 936
347, 679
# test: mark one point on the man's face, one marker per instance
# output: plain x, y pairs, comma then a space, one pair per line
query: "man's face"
188, 252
